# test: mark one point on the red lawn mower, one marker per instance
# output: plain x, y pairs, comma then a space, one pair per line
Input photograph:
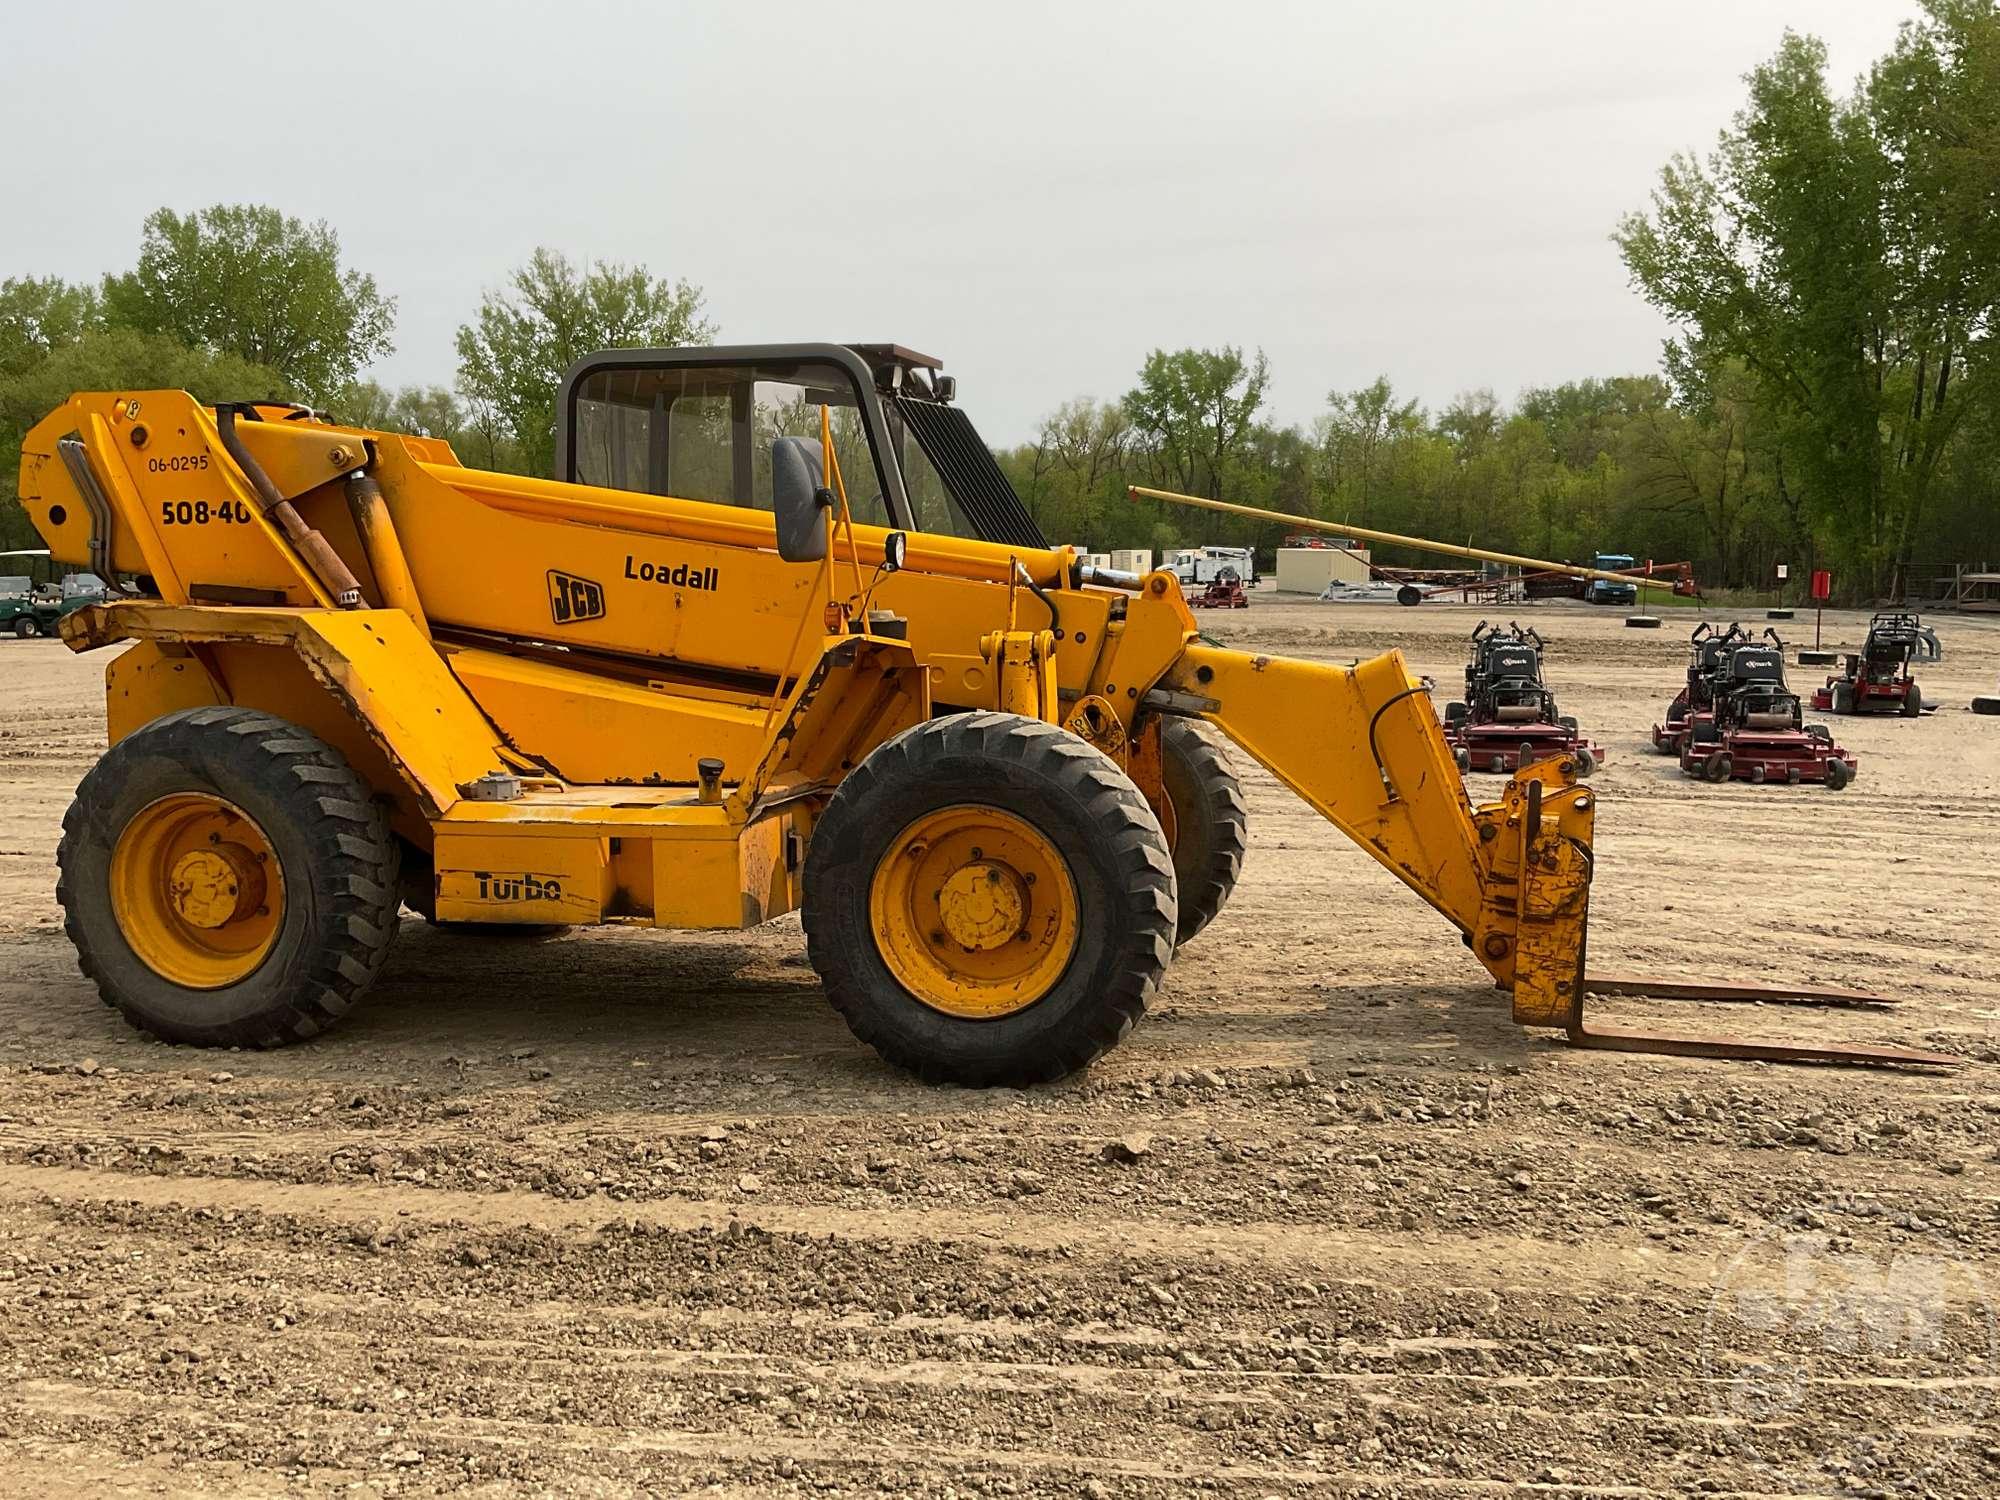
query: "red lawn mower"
1508, 719
1225, 592
1753, 728
1878, 680
1708, 651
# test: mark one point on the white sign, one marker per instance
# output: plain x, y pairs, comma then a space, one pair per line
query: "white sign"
1784, 571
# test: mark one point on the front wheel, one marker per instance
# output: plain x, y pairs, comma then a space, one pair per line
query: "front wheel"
1211, 822
227, 879
989, 900
26, 627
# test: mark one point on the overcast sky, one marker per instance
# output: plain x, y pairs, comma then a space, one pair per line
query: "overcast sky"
1038, 194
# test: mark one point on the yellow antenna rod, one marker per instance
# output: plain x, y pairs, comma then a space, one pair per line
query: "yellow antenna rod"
846, 515
1389, 538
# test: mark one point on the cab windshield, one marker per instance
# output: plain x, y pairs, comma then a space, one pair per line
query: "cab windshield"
704, 432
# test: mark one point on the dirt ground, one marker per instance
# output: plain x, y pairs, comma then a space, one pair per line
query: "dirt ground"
629, 1211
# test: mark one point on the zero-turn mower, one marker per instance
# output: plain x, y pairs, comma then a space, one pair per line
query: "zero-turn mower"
1753, 727
778, 637
1509, 717
1877, 679
1708, 650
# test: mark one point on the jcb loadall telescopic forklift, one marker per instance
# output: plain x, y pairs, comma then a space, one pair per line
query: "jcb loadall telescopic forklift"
780, 636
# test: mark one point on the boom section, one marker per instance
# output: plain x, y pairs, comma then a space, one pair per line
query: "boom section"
1362, 745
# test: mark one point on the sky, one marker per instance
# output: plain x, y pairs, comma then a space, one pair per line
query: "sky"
1038, 194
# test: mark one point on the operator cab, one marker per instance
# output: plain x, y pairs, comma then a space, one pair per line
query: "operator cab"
718, 424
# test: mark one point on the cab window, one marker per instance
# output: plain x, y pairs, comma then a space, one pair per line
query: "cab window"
704, 432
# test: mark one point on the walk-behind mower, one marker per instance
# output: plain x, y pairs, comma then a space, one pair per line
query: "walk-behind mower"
1753, 729
1878, 679
1508, 719
1708, 654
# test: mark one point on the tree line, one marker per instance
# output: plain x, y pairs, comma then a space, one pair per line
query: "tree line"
1830, 270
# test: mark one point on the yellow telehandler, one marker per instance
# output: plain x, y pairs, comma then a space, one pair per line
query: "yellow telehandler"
779, 637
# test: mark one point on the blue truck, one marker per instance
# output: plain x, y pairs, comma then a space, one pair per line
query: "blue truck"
1603, 590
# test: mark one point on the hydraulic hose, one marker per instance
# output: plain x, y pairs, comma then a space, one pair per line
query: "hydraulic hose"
313, 549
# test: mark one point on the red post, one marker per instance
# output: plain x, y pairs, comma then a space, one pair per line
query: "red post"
1822, 587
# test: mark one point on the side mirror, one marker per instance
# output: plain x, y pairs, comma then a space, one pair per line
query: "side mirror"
895, 547
798, 500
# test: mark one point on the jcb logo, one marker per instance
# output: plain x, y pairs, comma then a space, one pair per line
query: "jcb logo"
572, 598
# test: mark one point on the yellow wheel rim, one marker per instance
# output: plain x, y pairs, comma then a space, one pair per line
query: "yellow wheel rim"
974, 912
197, 890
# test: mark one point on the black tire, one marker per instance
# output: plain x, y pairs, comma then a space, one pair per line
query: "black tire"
1586, 763
1842, 700
1409, 594
1455, 713
1838, 774
26, 627
1642, 622
334, 849
1100, 825
1463, 757
1568, 723
1913, 702
1986, 705
1211, 822
1720, 766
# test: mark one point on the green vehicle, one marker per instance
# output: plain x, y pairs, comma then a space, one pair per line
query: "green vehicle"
30, 606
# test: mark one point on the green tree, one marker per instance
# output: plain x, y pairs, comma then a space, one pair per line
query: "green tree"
512, 356
1195, 408
248, 281
1358, 439
1842, 253
38, 316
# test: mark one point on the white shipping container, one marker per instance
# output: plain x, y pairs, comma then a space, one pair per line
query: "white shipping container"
1308, 570
1133, 560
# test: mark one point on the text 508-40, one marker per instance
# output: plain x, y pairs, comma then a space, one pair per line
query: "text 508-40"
201, 513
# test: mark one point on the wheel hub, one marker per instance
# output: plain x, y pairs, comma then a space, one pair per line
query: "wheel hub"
197, 890
973, 911
982, 906
215, 886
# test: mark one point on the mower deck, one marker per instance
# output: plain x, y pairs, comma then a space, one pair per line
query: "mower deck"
1784, 756
1505, 748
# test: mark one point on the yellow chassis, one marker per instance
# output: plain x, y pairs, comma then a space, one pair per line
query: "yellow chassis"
585, 650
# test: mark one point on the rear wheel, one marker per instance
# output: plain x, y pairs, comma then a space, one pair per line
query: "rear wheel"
1211, 822
1913, 701
27, 627
227, 880
988, 900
